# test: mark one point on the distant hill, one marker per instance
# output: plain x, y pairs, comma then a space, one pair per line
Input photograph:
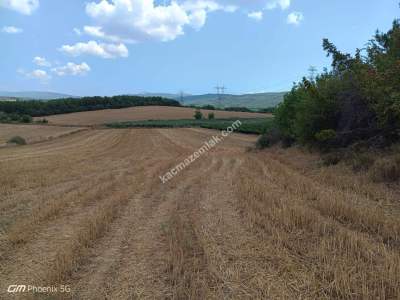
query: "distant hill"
164, 95
252, 101
8, 98
34, 95
255, 101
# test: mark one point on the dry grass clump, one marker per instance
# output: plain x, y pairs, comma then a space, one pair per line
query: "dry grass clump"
386, 169
331, 159
382, 166
360, 161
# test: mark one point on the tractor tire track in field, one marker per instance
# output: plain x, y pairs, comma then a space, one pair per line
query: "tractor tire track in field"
235, 224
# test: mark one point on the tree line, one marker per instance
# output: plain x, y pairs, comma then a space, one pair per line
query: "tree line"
35, 108
357, 100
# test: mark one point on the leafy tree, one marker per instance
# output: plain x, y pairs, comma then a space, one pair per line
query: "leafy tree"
358, 99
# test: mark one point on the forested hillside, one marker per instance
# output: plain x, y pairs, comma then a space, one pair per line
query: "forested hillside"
69, 105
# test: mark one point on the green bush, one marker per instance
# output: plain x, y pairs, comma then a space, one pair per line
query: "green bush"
325, 135
269, 139
262, 142
198, 115
17, 140
14, 118
211, 116
26, 119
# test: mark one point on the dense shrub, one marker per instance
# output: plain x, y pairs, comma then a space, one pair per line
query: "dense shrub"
211, 116
17, 140
240, 109
14, 118
209, 107
268, 139
26, 119
270, 110
198, 115
325, 135
358, 100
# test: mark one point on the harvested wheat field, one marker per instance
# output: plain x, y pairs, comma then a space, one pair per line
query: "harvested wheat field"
89, 211
33, 133
140, 113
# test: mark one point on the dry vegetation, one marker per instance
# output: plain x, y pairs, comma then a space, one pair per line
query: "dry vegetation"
140, 113
88, 210
32, 133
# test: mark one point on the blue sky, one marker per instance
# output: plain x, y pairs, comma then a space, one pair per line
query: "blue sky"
109, 47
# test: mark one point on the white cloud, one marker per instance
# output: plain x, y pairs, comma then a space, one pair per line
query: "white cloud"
25, 7
295, 18
97, 49
72, 69
197, 19
283, 4
256, 15
11, 30
207, 5
41, 61
96, 31
39, 74
141, 20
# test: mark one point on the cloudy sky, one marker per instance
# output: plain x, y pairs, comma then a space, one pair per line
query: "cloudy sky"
105, 47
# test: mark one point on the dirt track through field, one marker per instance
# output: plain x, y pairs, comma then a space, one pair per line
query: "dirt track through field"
89, 211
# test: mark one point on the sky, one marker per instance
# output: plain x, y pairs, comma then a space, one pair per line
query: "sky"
110, 47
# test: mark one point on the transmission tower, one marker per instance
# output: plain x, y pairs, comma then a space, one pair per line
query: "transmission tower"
220, 93
181, 96
312, 71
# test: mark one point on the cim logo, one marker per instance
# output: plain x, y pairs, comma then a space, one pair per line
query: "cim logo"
16, 288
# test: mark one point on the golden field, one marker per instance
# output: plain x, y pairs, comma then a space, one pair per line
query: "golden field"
140, 113
88, 210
